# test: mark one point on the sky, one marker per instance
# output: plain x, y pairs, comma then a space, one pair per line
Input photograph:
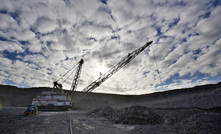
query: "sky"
40, 40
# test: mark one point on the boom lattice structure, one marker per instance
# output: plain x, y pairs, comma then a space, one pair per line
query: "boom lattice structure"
76, 77
113, 70
57, 99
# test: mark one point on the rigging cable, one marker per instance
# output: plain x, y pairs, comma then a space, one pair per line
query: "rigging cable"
67, 72
69, 75
157, 68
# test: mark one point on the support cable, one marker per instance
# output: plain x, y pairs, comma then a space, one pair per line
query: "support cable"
157, 68
69, 76
67, 72
125, 60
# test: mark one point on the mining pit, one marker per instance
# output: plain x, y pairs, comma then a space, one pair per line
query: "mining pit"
182, 111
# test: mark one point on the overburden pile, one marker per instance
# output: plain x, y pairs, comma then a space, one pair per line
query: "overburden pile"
139, 115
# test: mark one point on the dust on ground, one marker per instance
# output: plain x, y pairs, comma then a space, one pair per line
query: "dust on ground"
108, 120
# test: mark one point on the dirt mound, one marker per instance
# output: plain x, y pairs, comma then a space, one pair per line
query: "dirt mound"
202, 123
139, 115
155, 120
176, 116
185, 121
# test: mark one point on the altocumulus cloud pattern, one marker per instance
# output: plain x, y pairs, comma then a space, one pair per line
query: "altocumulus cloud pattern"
41, 40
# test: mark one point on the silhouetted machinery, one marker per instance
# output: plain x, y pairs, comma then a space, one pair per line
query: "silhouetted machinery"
58, 99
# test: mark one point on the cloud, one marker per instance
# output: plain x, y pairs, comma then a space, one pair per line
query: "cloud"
210, 59
40, 40
10, 47
97, 32
45, 25
7, 22
6, 61
210, 26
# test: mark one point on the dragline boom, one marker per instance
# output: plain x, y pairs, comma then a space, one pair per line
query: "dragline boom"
115, 68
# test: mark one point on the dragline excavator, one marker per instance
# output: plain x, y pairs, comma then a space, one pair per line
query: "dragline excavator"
58, 99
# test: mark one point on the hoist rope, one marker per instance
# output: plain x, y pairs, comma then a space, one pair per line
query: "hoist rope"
79, 97
67, 72
69, 75
157, 67
92, 78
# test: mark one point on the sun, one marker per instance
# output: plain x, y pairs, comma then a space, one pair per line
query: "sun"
101, 69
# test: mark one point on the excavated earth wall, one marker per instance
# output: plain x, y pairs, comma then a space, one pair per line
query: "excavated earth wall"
183, 111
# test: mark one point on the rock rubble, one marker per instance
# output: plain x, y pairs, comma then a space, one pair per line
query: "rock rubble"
167, 121
139, 115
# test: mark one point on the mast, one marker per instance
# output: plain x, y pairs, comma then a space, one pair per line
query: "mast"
76, 77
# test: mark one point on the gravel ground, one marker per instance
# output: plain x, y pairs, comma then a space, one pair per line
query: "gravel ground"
63, 122
134, 120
